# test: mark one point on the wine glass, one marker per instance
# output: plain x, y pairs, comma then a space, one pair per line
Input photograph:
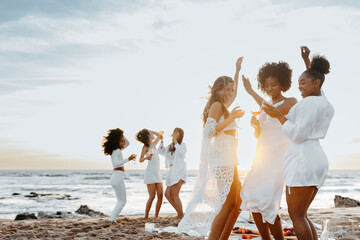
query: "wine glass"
255, 114
161, 133
151, 153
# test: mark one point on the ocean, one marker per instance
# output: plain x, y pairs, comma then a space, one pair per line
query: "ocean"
92, 188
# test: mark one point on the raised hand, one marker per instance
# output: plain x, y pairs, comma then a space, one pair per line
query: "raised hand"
238, 63
247, 85
236, 113
305, 52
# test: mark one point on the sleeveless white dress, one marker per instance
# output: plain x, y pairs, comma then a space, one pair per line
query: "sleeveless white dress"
152, 173
263, 186
218, 161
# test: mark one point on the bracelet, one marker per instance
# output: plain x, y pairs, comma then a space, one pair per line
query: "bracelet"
282, 118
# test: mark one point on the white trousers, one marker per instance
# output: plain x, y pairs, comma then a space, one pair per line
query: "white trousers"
118, 184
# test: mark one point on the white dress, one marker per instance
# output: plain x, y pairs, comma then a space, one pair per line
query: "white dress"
263, 186
152, 173
216, 174
305, 163
175, 162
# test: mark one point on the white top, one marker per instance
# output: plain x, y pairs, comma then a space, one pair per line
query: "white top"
178, 155
231, 126
305, 163
117, 156
309, 119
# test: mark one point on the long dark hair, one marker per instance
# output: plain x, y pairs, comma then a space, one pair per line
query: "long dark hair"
111, 142
179, 140
218, 85
143, 136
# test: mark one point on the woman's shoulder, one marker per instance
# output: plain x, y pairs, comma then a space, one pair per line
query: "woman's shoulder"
216, 106
290, 100
116, 151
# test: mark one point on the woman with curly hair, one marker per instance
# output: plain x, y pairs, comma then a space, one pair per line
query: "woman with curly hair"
175, 160
113, 145
215, 201
305, 163
152, 177
263, 186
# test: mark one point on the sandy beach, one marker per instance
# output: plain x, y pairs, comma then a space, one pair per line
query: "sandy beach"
130, 227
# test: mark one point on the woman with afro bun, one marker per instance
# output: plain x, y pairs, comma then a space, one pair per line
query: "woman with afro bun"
305, 163
114, 143
263, 186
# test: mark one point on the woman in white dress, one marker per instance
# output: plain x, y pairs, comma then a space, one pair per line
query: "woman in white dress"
215, 202
152, 177
114, 143
305, 163
263, 186
175, 160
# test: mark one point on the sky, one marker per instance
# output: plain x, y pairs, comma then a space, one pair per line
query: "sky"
71, 70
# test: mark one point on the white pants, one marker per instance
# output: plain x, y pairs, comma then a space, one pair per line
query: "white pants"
118, 184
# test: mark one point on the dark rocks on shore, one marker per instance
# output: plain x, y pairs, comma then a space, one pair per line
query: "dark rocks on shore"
345, 202
15, 194
57, 196
26, 215
42, 215
85, 210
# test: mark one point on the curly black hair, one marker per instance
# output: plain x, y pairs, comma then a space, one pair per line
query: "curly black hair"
281, 71
144, 137
111, 142
319, 66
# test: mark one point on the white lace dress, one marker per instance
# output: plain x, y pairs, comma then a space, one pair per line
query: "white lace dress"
216, 174
263, 186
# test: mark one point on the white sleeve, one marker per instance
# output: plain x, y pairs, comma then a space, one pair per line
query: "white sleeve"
209, 129
162, 150
118, 160
299, 129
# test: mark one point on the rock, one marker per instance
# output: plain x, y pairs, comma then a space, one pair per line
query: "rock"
85, 210
42, 215
15, 194
26, 215
32, 194
345, 202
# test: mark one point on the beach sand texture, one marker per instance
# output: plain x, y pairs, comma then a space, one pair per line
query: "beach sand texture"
129, 227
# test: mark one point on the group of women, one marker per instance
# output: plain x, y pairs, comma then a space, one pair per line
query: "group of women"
287, 153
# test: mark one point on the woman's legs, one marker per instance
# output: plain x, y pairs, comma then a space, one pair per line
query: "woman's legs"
313, 229
276, 229
261, 226
168, 196
298, 202
118, 184
221, 219
159, 193
151, 191
175, 191
230, 222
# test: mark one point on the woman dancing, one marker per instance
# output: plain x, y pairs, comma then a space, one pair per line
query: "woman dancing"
215, 201
152, 177
305, 163
175, 160
113, 145
263, 186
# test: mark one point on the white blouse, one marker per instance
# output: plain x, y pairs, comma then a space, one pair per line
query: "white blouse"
309, 119
117, 156
177, 157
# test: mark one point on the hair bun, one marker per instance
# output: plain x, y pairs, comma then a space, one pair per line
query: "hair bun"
320, 64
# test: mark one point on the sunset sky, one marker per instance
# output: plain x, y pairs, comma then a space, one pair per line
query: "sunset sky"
71, 70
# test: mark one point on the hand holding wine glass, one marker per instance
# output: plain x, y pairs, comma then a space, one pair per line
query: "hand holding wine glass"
236, 113
132, 157
254, 122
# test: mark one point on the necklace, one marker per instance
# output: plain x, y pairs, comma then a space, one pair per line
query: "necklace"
279, 100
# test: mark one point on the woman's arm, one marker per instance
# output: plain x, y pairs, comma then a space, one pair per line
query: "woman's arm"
305, 52
118, 159
142, 155
236, 79
157, 139
216, 111
250, 91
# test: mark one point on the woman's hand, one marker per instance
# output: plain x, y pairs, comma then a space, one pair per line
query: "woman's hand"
272, 111
238, 63
247, 85
236, 113
132, 157
305, 52
148, 157
255, 122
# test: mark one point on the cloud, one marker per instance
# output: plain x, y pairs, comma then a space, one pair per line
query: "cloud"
355, 141
8, 86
